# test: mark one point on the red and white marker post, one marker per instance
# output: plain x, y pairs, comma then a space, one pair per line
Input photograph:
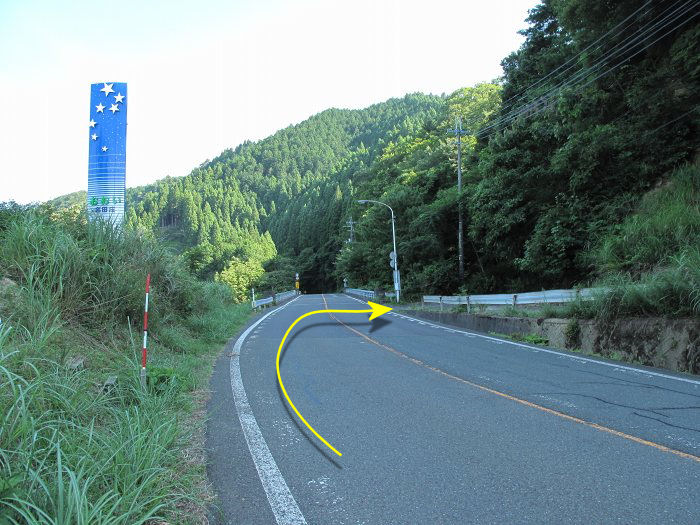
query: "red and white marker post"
145, 333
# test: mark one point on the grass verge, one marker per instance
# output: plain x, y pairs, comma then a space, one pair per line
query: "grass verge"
74, 448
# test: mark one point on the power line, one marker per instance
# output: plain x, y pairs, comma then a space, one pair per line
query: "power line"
574, 58
545, 101
674, 120
654, 26
614, 51
650, 28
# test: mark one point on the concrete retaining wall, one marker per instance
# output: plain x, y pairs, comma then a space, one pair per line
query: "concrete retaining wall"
673, 344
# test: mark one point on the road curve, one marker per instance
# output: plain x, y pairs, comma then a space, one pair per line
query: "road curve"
438, 425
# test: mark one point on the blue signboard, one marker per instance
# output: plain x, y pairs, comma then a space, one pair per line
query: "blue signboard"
107, 161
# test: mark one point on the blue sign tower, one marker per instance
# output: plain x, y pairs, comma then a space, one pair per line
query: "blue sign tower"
107, 161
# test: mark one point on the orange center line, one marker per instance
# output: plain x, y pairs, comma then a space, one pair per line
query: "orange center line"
530, 404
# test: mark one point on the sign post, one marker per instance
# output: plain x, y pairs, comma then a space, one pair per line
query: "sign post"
107, 152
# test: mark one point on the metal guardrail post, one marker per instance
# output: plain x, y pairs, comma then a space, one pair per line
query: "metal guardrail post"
469, 306
515, 299
441, 304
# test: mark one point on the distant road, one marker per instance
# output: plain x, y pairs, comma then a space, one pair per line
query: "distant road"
441, 426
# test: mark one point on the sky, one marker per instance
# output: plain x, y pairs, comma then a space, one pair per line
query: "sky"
204, 76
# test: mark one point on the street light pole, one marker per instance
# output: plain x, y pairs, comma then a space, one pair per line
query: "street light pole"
396, 277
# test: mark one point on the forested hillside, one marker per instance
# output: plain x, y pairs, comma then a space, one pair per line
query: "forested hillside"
292, 187
597, 108
600, 104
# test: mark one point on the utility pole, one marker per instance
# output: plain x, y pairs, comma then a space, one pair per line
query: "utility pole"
458, 131
351, 226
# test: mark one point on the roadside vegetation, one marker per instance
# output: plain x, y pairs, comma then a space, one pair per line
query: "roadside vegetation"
647, 265
651, 260
532, 339
74, 448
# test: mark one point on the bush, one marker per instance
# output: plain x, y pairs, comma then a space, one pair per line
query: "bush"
240, 276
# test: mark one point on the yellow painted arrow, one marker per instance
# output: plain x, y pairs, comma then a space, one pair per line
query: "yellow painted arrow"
376, 311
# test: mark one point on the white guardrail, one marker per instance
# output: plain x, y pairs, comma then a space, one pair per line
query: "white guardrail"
285, 295
277, 298
515, 299
499, 299
261, 302
367, 294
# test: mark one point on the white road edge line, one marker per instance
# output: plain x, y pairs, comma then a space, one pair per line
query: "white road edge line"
283, 504
561, 354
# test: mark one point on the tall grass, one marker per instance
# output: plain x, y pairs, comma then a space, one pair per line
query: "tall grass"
72, 452
93, 273
665, 224
651, 261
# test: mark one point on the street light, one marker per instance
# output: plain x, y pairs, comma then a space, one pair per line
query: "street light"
397, 277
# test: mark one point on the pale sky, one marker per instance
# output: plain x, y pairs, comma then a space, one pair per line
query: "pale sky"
204, 76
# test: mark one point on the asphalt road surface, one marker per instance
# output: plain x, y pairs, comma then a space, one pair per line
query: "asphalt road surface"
439, 425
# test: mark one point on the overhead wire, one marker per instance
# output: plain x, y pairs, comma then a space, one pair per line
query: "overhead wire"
658, 23
643, 33
573, 59
630, 40
673, 120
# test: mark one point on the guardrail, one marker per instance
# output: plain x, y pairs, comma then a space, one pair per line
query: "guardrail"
285, 295
276, 298
515, 299
368, 294
261, 302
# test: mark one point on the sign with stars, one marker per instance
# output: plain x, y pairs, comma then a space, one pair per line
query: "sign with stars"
107, 158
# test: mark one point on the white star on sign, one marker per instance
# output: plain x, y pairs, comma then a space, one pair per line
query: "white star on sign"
104, 148
94, 136
119, 97
114, 109
100, 108
107, 89
92, 123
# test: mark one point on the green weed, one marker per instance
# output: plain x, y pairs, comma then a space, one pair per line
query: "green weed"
524, 338
71, 453
651, 262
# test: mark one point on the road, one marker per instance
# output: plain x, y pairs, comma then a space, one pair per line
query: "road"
438, 425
